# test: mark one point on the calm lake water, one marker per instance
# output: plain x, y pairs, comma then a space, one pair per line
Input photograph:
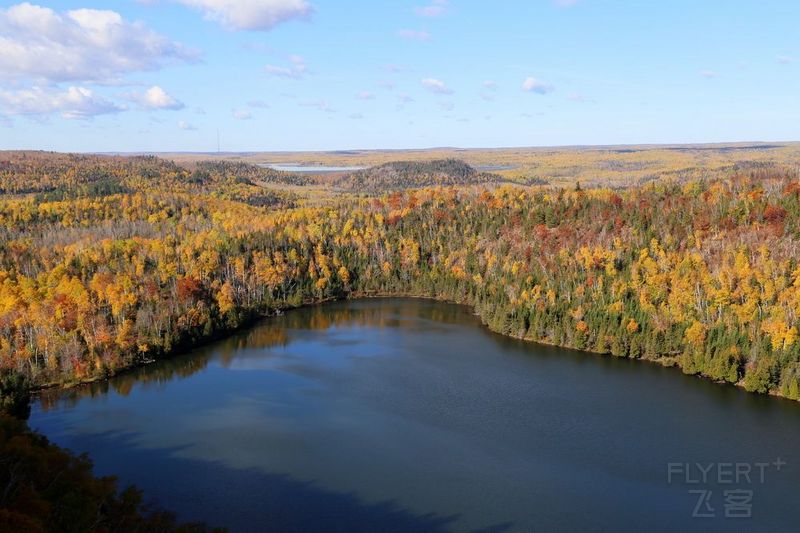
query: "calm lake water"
408, 415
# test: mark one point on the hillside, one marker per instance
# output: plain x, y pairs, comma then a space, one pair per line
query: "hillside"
594, 166
701, 274
398, 175
246, 173
55, 177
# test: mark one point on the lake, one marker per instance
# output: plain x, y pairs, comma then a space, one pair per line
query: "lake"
408, 415
309, 169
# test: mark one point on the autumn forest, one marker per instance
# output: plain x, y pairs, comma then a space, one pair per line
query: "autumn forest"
109, 262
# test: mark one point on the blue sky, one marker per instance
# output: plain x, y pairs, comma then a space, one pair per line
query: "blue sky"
162, 75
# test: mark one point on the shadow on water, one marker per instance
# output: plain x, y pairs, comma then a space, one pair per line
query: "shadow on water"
408, 415
276, 502
270, 333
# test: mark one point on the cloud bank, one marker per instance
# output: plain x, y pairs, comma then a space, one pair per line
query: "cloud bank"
86, 45
252, 15
73, 103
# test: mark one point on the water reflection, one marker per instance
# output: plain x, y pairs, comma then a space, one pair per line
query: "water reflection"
397, 415
254, 342
155, 374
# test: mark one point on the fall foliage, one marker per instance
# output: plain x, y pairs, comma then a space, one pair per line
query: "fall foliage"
703, 274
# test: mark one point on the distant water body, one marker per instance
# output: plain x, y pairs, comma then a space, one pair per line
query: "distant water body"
309, 168
331, 169
408, 415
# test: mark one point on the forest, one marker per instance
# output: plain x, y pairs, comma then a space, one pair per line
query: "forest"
108, 263
111, 262
413, 175
592, 166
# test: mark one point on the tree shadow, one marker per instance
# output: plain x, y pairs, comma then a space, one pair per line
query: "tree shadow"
248, 499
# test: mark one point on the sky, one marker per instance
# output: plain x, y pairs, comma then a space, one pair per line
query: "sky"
269, 75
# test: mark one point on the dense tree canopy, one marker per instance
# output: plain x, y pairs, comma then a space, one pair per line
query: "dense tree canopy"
106, 263
399, 175
704, 275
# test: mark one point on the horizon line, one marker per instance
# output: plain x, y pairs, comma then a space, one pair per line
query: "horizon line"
344, 151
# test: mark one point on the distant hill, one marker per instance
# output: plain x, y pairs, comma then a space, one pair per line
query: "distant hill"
208, 171
414, 174
35, 171
55, 177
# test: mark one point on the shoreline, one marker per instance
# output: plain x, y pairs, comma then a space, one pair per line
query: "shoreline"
666, 361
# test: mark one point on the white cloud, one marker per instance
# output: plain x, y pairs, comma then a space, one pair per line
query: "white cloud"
784, 60
414, 35
40, 44
365, 95
708, 74
387, 84
491, 85
532, 85
241, 115
73, 103
321, 105
356, 116
256, 15
296, 70
155, 98
435, 9
182, 124
436, 86
258, 104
